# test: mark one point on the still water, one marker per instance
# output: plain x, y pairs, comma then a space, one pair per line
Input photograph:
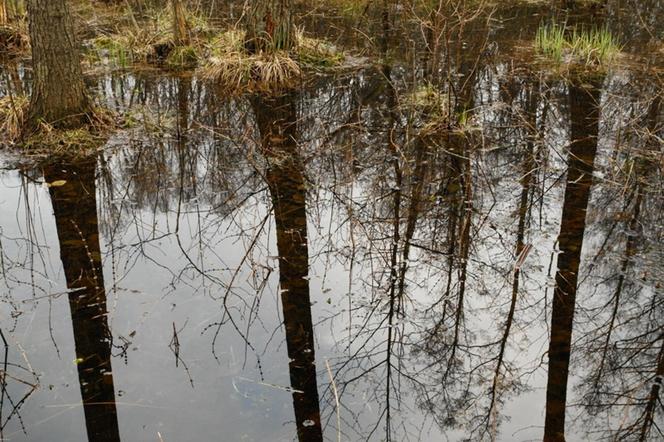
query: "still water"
335, 263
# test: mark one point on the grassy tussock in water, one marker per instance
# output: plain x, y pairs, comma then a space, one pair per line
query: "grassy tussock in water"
150, 41
436, 112
12, 115
182, 56
347, 8
594, 47
233, 68
428, 99
50, 141
47, 139
314, 53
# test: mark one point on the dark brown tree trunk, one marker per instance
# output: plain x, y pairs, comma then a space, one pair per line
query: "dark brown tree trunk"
269, 26
180, 29
75, 210
58, 93
653, 398
584, 113
4, 18
276, 122
434, 39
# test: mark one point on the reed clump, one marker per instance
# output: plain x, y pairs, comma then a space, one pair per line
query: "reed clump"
595, 47
150, 41
13, 109
233, 68
45, 138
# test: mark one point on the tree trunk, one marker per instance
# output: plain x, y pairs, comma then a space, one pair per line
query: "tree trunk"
584, 115
180, 30
276, 122
269, 26
58, 95
4, 19
75, 211
653, 397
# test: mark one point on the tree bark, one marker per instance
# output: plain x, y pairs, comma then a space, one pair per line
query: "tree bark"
180, 29
59, 95
585, 123
269, 26
4, 19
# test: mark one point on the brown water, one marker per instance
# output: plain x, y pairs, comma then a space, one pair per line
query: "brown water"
329, 265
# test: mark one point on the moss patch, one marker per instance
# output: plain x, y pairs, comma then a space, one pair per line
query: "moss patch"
183, 56
317, 53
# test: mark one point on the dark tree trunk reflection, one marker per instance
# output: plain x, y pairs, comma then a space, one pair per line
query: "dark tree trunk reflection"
584, 114
73, 195
276, 121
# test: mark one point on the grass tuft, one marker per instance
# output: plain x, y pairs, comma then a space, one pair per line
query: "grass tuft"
12, 115
14, 39
430, 107
183, 56
46, 139
151, 41
594, 47
231, 67
123, 49
550, 41
428, 99
247, 73
317, 53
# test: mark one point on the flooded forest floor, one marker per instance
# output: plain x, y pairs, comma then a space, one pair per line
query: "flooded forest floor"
425, 221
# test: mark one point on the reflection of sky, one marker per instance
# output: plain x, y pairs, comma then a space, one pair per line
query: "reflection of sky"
153, 395
151, 286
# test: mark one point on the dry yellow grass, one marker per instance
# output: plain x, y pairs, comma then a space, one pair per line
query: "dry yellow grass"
233, 69
12, 115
